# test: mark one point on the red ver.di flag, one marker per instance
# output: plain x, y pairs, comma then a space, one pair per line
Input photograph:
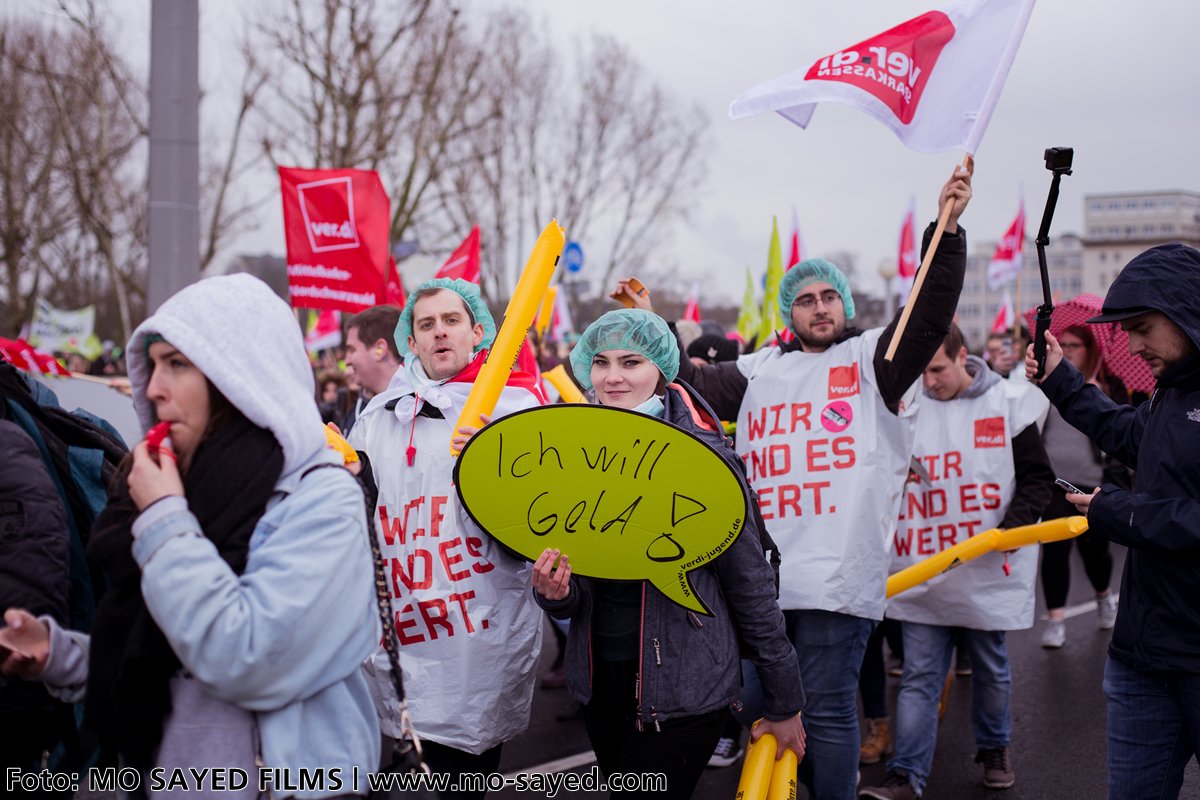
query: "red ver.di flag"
336, 222
1005, 265
933, 80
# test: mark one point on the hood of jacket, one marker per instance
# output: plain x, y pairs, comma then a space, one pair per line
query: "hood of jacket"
1167, 279
245, 340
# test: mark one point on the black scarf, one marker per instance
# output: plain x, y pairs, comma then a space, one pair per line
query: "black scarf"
231, 477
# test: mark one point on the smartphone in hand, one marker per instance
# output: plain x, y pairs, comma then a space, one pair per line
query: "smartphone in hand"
1070, 487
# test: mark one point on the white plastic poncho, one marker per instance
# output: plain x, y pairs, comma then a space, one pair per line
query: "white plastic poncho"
966, 447
828, 461
469, 630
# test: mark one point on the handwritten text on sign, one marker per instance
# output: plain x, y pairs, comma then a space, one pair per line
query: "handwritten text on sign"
623, 495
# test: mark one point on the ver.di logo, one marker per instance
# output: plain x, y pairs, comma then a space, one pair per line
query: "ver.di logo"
894, 66
328, 210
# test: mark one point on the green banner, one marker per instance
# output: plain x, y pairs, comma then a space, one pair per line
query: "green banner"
623, 495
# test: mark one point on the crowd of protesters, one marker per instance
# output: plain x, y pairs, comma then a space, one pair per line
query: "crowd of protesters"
238, 623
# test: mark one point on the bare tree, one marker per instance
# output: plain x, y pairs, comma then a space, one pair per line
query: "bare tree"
33, 211
101, 109
483, 123
615, 160
374, 85
223, 215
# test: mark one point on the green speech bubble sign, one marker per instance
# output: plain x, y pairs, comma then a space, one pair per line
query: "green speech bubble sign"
624, 495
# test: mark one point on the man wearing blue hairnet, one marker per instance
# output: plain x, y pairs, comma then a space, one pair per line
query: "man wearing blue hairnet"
826, 428
468, 628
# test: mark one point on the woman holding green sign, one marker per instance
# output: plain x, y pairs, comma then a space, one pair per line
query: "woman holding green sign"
656, 679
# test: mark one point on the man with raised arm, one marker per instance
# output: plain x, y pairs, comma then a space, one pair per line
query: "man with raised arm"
825, 425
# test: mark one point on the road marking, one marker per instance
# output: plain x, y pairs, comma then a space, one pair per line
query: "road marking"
1082, 608
565, 764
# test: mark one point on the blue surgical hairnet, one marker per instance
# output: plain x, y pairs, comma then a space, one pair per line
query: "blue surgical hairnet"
809, 271
468, 291
633, 329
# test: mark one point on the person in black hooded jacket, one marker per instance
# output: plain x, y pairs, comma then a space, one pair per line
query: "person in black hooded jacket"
34, 574
1152, 678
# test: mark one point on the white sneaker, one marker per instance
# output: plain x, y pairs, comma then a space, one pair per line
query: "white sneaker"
1055, 635
1106, 612
726, 753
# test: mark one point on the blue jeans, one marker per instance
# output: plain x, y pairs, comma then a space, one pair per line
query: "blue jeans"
1153, 730
830, 647
927, 653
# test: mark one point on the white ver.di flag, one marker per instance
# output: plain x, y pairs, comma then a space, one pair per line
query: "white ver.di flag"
933, 80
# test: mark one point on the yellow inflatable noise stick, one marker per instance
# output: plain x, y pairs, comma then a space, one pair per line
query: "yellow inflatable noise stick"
335, 441
567, 389
531, 287
757, 769
1054, 530
783, 778
546, 312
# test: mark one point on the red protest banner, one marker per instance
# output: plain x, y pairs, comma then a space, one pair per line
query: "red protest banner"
336, 223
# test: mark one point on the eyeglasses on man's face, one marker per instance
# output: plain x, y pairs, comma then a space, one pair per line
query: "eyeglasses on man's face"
809, 301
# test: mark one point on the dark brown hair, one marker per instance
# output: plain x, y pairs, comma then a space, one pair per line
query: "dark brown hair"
375, 323
954, 341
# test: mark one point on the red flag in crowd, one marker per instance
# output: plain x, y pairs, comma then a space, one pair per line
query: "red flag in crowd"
797, 254
906, 258
561, 324
336, 222
393, 291
692, 311
1006, 263
933, 80
464, 261
1006, 315
324, 331
22, 355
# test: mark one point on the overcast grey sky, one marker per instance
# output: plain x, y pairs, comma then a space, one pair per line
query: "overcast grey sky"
1114, 81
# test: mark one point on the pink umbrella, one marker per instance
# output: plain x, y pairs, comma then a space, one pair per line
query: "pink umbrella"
1113, 342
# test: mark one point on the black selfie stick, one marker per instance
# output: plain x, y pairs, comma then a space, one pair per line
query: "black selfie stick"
1058, 161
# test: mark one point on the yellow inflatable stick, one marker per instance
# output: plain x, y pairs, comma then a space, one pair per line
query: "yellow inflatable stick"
334, 441
783, 778
756, 769
546, 312
517, 319
1054, 530
567, 389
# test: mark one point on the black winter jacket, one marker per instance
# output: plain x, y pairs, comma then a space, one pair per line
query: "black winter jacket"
1158, 622
691, 664
34, 560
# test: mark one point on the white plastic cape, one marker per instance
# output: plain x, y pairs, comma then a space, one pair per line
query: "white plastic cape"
469, 629
828, 461
966, 447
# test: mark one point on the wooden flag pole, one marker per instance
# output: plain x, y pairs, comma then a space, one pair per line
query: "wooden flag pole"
943, 219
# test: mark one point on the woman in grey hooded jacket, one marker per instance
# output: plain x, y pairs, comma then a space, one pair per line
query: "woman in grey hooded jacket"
239, 604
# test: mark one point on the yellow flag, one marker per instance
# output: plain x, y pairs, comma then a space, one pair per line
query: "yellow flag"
749, 317
770, 308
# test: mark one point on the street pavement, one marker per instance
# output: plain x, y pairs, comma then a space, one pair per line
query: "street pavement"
1058, 709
